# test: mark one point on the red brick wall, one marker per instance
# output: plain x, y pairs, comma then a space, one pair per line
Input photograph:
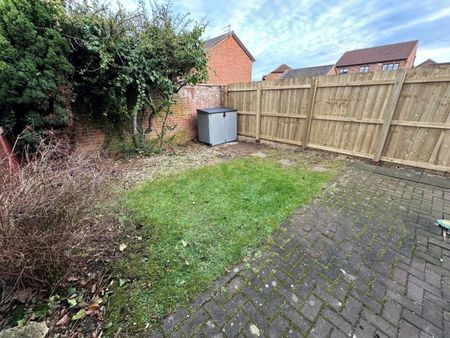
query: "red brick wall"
411, 58
90, 137
228, 63
332, 71
185, 108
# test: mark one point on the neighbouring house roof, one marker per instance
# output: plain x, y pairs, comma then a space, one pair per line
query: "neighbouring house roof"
306, 72
391, 52
432, 63
277, 72
281, 69
212, 43
426, 63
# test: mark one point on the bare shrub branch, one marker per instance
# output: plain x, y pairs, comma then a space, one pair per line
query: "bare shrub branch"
46, 215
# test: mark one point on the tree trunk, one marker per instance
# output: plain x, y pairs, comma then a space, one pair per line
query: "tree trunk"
163, 127
136, 138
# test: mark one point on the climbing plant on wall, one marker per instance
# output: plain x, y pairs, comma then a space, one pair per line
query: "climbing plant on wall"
130, 64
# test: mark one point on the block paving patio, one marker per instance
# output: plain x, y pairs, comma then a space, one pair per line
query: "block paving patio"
363, 260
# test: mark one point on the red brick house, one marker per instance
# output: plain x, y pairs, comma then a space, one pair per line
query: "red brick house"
276, 73
229, 61
387, 57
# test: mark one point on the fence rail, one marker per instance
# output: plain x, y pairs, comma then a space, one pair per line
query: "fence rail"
398, 116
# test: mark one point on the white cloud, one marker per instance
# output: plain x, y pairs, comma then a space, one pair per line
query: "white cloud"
440, 13
306, 33
437, 54
313, 35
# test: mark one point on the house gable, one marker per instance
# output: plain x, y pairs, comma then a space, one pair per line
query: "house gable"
214, 42
228, 60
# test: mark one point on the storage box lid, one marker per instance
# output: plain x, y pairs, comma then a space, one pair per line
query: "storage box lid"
216, 110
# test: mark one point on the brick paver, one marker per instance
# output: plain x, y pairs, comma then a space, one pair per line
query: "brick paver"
363, 260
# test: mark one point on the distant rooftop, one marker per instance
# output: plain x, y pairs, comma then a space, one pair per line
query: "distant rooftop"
281, 68
391, 52
432, 63
306, 72
211, 43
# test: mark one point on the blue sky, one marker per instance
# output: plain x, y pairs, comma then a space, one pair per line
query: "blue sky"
303, 33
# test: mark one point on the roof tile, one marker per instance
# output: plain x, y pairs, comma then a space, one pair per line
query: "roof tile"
392, 52
281, 68
211, 43
306, 72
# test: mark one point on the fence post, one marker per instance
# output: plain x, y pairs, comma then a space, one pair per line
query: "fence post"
389, 110
258, 110
308, 121
224, 92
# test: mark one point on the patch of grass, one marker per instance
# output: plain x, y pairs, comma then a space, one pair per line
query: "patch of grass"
196, 225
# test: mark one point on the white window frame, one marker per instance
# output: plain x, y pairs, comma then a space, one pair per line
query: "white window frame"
364, 69
390, 66
343, 70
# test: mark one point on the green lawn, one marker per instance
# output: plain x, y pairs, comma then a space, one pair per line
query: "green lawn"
197, 224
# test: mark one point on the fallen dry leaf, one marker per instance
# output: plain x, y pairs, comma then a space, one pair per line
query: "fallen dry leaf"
92, 309
122, 247
64, 320
24, 295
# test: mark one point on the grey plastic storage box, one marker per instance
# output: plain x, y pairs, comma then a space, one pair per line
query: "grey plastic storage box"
217, 125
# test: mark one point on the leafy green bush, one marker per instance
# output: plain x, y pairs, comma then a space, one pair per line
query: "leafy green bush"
130, 64
125, 66
33, 68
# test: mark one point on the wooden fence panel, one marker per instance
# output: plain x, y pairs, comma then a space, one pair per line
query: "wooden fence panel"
348, 114
242, 96
284, 105
420, 132
375, 115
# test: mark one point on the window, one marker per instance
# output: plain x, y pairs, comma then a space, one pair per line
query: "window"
343, 71
364, 69
390, 66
